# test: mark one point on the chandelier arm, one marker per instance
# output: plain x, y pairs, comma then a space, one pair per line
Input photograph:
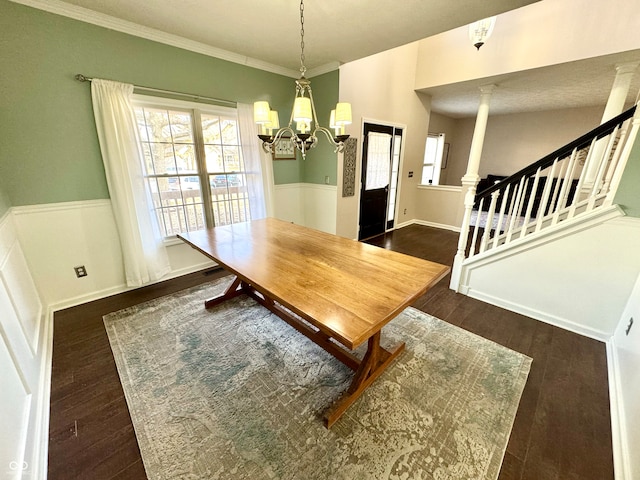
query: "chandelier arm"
339, 144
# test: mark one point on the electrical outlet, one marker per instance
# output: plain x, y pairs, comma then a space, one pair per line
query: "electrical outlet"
405, 211
630, 325
80, 271
326, 179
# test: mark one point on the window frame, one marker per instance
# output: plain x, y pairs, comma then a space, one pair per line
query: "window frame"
436, 164
195, 111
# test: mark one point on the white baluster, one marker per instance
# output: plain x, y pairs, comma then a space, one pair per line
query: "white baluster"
515, 210
542, 208
487, 227
472, 249
496, 233
532, 197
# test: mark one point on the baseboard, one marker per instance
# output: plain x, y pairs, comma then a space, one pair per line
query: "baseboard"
621, 454
107, 292
537, 314
425, 223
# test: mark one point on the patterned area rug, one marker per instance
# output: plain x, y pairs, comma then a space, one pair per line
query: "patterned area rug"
236, 393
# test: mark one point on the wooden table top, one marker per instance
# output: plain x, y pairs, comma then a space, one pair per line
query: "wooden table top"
347, 289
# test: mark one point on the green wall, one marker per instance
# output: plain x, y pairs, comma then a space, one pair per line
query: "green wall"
50, 150
4, 203
628, 194
322, 160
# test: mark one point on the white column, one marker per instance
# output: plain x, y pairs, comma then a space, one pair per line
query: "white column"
470, 180
614, 107
619, 91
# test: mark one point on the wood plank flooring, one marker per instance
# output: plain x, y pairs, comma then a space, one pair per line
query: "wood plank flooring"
562, 430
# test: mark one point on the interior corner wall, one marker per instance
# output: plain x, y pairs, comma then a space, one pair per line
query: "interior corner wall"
380, 89
516, 140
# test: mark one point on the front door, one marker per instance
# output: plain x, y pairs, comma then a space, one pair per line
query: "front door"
380, 163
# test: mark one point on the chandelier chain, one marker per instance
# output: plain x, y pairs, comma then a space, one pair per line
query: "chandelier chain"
303, 69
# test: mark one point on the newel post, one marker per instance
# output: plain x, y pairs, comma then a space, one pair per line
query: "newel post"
470, 181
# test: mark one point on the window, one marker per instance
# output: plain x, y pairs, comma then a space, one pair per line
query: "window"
433, 151
194, 166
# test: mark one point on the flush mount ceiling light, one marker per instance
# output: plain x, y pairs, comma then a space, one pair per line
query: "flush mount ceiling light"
305, 134
481, 30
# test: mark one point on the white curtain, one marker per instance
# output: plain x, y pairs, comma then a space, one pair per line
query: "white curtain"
252, 161
145, 256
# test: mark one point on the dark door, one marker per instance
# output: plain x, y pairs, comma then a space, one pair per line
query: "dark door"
380, 160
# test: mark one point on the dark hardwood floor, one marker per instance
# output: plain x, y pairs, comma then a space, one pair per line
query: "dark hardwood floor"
562, 430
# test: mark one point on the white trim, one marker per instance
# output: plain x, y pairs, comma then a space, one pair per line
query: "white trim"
52, 207
537, 314
322, 69
320, 186
442, 188
442, 226
107, 21
287, 186
41, 437
560, 230
621, 454
107, 292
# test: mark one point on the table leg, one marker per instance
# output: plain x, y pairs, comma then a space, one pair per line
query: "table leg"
375, 361
232, 291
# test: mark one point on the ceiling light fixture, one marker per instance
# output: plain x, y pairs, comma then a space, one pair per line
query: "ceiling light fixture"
481, 30
305, 134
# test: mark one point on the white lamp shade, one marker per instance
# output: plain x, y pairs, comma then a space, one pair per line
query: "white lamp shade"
343, 114
332, 120
481, 30
261, 112
302, 110
274, 120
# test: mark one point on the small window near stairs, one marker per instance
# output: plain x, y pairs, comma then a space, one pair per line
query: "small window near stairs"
433, 153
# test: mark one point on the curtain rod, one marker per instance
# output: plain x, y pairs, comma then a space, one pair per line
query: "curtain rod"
83, 78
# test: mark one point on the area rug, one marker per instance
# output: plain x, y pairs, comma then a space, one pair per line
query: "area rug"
236, 393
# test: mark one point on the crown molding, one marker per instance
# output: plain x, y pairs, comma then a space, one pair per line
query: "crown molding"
107, 21
322, 69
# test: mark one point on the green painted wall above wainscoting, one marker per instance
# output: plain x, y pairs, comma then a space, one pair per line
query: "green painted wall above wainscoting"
628, 194
322, 161
4, 202
50, 150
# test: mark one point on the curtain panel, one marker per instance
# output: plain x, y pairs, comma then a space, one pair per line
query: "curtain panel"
144, 254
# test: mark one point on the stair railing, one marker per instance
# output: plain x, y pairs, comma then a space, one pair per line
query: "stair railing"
573, 180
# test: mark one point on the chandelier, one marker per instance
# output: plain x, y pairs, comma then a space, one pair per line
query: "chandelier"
481, 30
305, 134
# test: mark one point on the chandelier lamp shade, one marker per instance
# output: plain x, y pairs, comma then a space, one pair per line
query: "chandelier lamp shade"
481, 30
303, 127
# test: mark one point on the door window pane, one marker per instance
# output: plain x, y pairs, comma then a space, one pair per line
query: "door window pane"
378, 161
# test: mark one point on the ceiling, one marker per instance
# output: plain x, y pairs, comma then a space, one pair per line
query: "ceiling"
583, 83
335, 30
266, 34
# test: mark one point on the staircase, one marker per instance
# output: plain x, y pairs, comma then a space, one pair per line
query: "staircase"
569, 191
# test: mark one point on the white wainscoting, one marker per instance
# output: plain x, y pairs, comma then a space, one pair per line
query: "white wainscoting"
58, 237
307, 204
25, 364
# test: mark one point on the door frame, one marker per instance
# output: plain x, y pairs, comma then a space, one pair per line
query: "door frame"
360, 153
